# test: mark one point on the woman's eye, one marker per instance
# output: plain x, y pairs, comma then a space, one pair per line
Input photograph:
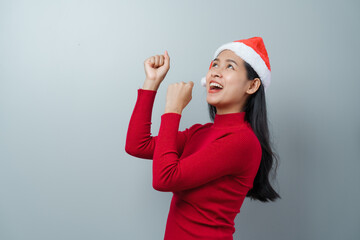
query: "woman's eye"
214, 64
230, 66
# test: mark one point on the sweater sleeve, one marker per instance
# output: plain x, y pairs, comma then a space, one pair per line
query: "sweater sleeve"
232, 153
139, 141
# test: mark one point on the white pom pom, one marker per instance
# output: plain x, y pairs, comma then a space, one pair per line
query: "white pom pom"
203, 81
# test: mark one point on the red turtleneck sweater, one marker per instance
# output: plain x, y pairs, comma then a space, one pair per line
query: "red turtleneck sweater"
208, 167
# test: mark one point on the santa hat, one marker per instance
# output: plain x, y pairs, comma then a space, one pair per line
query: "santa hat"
252, 51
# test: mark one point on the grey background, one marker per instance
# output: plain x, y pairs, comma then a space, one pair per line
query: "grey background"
69, 74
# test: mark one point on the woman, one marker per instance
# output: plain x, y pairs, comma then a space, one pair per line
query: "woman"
212, 167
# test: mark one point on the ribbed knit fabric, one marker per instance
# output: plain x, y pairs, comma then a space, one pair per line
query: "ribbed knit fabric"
208, 167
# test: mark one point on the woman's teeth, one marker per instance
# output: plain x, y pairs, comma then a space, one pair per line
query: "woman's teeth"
215, 86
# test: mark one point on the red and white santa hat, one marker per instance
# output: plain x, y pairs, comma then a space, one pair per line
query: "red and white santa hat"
252, 51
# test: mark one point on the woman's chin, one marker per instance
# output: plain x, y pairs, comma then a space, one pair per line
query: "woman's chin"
211, 102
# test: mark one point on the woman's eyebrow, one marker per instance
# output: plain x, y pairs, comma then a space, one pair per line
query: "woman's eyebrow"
227, 60
230, 60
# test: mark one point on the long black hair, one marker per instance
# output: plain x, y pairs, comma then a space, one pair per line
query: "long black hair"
256, 115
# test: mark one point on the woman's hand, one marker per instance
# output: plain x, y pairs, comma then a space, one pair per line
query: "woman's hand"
156, 68
178, 96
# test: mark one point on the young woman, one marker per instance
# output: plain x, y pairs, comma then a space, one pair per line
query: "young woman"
212, 167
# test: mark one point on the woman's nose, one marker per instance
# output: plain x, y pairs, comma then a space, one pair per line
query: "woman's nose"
216, 73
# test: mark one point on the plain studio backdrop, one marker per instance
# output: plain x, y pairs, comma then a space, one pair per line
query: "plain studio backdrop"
69, 75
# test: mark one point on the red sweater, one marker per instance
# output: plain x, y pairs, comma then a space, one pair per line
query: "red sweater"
208, 167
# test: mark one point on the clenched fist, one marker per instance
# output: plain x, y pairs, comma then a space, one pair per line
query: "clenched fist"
178, 96
156, 68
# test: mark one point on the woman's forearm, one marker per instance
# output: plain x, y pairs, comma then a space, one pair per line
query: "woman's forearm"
139, 142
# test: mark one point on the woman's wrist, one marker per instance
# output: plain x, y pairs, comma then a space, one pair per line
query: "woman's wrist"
172, 110
150, 85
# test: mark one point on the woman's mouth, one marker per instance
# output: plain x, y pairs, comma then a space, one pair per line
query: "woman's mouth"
215, 87
214, 90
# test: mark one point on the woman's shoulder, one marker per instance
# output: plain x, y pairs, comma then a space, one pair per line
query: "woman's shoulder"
240, 134
247, 136
239, 131
199, 126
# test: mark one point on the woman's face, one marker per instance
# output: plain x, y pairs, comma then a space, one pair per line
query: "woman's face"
229, 71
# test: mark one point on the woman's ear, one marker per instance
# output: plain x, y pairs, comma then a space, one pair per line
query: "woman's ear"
254, 86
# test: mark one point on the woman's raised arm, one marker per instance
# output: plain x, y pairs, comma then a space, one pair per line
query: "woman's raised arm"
139, 142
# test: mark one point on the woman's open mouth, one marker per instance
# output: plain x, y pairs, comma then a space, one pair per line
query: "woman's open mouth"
215, 87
